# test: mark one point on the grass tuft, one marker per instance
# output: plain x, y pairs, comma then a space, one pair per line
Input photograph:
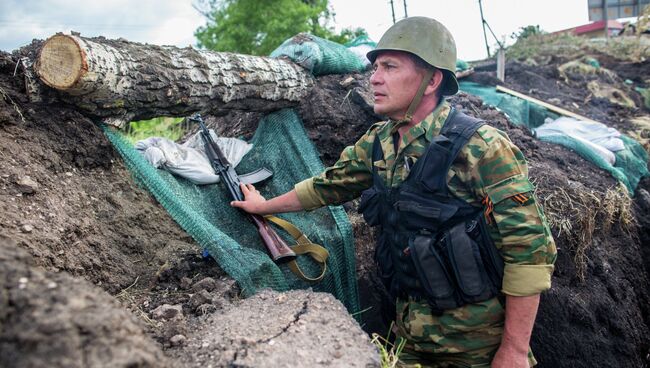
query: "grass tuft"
388, 352
578, 214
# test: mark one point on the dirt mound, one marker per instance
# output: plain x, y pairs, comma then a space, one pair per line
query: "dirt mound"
54, 320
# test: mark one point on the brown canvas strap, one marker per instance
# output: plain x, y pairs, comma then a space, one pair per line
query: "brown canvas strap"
303, 246
418, 96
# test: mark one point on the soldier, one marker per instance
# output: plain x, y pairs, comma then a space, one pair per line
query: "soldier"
464, 247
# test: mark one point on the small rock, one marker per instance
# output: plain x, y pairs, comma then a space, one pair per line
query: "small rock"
186, 283
178, 340
337, 354
26, 185
26, 228
228, 288
205, 309
246, 341
51, 285
207, 283
348, 81
68, 174
167, 311
323, 361
200, 298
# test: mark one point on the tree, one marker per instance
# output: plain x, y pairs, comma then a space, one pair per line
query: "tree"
348, 34
130, 81
525, 32
258, 27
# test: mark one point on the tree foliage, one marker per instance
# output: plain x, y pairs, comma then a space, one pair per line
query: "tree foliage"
525, 32
257, 27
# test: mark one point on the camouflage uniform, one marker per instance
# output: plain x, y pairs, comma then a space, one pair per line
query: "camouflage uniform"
488, 170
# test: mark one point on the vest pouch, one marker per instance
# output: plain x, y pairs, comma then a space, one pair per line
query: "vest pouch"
422, 212
437, 158
491, 256
433, 274
370, 206
465, 260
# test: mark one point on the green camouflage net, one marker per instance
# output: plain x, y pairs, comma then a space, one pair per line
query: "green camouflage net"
630, 166
631, 163
520, 111
361, 40
281, 144
319, 56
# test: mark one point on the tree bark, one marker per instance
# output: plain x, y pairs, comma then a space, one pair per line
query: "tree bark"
121, 81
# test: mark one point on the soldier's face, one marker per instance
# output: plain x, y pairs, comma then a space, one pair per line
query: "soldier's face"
395, 82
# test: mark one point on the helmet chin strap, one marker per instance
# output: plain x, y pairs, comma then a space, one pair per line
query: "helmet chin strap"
418, 96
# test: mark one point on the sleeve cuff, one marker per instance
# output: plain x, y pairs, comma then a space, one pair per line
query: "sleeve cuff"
525, 280
307, 195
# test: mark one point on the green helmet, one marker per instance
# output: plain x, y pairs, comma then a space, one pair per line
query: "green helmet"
426, 38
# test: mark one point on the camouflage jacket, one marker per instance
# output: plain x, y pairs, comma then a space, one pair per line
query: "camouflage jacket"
489, 170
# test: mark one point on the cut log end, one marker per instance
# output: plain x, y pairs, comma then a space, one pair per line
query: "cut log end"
62, 62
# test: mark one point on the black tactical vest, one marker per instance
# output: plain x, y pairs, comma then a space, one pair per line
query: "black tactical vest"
433, 245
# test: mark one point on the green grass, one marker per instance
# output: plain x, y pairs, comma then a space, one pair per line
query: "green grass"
572, 47
388, 353
167, 127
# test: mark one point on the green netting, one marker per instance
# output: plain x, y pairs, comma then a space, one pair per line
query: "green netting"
631, 163
319, 56
591, 61
461, 65
520, 111
630, 166
281, 144
361, 40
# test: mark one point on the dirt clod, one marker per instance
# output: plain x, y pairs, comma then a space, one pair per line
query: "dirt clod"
167, 311
26, 185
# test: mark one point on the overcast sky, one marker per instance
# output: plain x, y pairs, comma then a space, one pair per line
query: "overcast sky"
173, 22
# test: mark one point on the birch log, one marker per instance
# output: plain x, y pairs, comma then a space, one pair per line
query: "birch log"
121, 81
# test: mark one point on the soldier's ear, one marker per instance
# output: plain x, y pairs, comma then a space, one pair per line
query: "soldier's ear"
435, 83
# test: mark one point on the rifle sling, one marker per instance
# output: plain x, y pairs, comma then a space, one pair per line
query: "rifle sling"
303, 246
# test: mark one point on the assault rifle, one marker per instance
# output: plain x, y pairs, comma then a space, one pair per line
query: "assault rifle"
279, 250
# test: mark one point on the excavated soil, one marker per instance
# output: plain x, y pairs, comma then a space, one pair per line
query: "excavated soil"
93, 272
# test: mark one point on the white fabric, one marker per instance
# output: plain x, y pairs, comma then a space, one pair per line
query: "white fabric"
189, 160
602, 139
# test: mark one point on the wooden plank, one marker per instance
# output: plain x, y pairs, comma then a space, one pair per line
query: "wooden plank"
464, 73
547, 105
501, 65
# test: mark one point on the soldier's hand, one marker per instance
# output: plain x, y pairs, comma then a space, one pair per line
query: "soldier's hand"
253, 201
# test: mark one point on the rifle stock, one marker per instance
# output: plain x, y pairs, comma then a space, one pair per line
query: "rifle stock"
278, 249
